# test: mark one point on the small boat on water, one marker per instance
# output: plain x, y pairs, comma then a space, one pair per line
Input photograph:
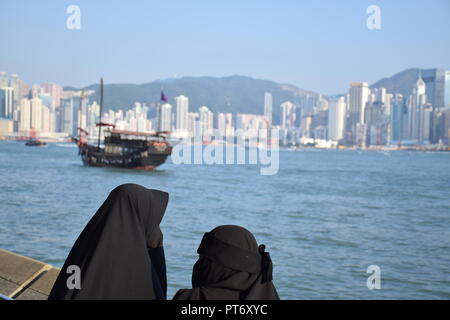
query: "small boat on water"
35, 143
123, 149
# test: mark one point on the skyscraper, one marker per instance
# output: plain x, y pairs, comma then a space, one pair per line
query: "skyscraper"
398, 118
182, 113
165, 117
6, 102
4, 80
287, 115
14, 82
336, 119
193, 123
206, 120
447, 89
357, 99
25, 115
417, 100
268, 103
54, 90
225, 124
66, 120
434, 80
36, 114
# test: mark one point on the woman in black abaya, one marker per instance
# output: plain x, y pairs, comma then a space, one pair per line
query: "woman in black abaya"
231, 266
119, 253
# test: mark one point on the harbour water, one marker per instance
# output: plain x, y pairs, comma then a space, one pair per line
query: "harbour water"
325, 217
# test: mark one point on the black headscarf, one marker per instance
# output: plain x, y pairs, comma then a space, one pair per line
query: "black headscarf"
120, 251
231, 266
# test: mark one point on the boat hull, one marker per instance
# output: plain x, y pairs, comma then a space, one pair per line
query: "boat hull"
144, 160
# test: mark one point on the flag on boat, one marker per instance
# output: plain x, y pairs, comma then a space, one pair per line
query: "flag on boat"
164, 97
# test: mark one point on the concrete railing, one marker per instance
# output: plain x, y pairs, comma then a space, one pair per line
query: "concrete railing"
23, 278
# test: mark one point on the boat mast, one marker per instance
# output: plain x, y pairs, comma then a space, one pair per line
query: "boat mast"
80, 117
101, 110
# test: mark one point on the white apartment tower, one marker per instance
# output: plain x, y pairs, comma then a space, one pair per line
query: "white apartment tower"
268, 102
336, 119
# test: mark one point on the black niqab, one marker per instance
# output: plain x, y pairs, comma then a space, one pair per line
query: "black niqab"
119, 252
231, 266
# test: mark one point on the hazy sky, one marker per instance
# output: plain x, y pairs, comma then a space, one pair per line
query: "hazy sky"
317, 45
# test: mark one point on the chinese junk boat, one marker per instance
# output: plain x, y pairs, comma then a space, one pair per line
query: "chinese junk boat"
124, 149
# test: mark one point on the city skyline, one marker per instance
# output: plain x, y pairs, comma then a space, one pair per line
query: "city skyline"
314, 46
361, 117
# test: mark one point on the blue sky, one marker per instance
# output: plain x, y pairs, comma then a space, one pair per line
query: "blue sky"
316, 45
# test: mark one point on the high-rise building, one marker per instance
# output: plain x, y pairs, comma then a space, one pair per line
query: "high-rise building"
14, 82
66, 117
287, 115
336, 119
268, 103
358, 97
25, 115
447, 89
54, 90
322, 104
193, 127
181, 123
434, 80
206, 119
6, 102
4, 80
425, 117
36, 114
225, 124
165, 117
398, 118
417, 100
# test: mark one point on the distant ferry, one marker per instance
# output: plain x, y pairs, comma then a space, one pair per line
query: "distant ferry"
35, 143
124, 149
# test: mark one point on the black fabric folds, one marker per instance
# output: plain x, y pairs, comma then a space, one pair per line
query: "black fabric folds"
119, 253
231, 266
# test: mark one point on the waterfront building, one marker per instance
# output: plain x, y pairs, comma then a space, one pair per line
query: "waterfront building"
192, 124
336, 119
55, 91
287, 115
4, 80
182, 110
447, 89
66, 117
417, 100
268, 103
14, 82
36, 114
322, 104
25, 115
225, 124
165, 117
358, 97
6, 102
206, 120
434, 80
399, 116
